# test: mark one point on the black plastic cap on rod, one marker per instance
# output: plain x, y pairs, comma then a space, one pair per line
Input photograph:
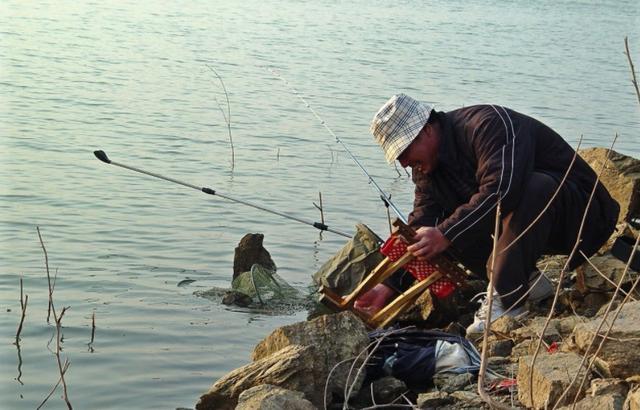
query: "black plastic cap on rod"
102, 156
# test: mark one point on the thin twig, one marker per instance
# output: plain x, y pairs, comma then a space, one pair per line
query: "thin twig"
66, 366
227, 117
93, 331
320, 208
632, 68
58, 320
23, 306
487, 323
19, 364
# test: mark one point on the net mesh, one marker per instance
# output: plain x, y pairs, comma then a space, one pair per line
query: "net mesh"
265, 286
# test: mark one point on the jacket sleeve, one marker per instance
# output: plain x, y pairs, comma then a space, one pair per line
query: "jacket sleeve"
505, 154
426, 211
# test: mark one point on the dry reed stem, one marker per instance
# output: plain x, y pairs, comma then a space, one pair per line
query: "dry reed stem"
562, 273
320, 208
66, 366
23, 307
93, 331
227, 117
484, 395
58, 319
632, 68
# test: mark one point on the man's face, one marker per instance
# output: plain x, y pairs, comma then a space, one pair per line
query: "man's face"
422, 153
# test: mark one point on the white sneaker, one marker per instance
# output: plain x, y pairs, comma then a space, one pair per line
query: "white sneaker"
497, 311
540, 287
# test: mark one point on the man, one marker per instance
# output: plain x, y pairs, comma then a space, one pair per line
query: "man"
466, 161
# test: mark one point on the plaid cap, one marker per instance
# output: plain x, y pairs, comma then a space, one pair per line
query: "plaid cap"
398, 123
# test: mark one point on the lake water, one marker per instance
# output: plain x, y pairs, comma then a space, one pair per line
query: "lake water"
132, 79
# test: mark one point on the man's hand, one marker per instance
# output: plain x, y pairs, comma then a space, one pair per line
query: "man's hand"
374, 300
430, 242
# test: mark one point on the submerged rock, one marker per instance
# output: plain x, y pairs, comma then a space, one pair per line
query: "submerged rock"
232, 297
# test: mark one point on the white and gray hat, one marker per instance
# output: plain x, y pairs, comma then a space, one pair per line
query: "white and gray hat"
398, 123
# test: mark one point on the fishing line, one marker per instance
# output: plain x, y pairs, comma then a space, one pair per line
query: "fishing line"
386, 199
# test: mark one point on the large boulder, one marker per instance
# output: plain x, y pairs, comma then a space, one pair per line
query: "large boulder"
621, 177
620, 354
340, 336
552, 374
313, 357
292, 368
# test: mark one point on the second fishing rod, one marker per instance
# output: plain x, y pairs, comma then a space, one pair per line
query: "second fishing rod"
102, 156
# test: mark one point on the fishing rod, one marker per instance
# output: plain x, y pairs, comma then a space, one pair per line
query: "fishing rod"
102, 156
383, 196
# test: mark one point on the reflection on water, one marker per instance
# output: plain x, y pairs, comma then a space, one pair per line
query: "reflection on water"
133, 81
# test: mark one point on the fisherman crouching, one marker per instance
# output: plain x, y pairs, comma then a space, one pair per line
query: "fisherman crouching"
467, 161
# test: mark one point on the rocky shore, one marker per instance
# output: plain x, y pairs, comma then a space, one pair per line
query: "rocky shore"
585, 356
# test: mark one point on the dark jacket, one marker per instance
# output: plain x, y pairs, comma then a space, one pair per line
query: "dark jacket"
488, 152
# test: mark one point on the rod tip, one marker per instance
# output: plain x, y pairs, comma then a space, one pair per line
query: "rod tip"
102, 156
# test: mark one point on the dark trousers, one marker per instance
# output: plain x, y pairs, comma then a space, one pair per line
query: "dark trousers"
555, 232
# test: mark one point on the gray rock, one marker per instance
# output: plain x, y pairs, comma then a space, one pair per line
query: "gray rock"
552, 374
236, 298
505, 325
606, 267
269, 397
434, 400
534, 328
566, 325
620, 354
524, 348
293, 368
383, 391
606, 402
250, 251
450, 382
601, 387
466, 399
340, 336
500, 348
